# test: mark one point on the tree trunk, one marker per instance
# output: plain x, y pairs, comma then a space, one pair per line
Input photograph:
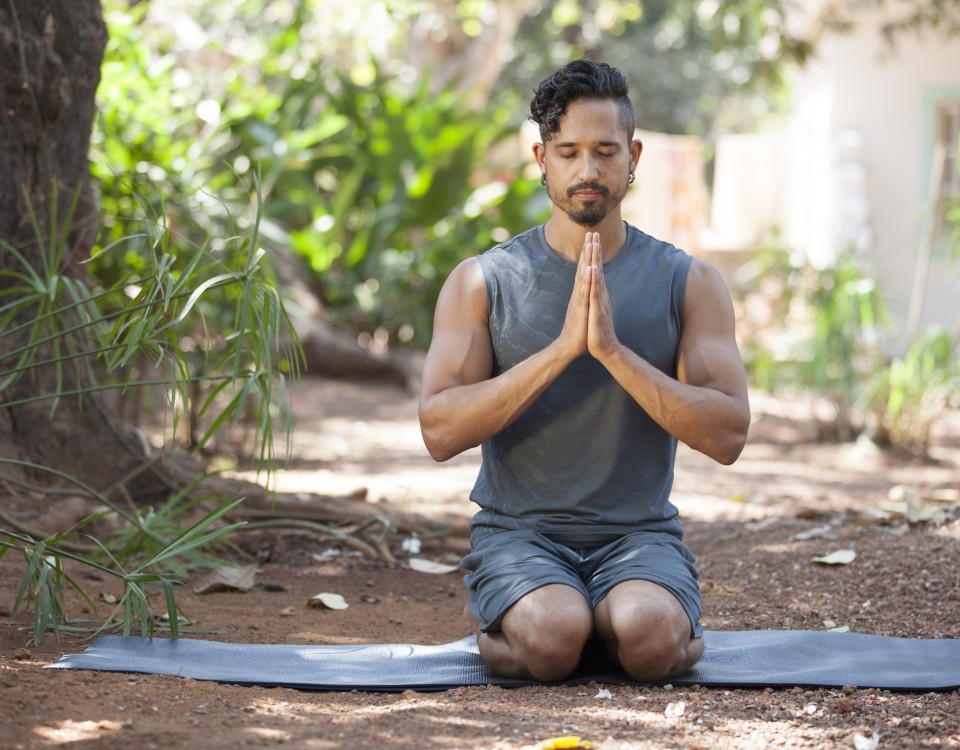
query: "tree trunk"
50, 57
437, 42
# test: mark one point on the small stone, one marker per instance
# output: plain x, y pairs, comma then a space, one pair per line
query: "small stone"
846, 704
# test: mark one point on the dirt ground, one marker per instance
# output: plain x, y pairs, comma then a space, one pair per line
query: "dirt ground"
755, 528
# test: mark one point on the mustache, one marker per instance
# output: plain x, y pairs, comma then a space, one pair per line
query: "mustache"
594, 186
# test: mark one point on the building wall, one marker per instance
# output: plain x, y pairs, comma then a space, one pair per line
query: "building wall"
859, 160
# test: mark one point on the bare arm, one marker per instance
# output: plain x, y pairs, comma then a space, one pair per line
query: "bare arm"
461, 404
706, 407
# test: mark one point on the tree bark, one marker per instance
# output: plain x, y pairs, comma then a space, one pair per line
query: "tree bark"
51, 53
50, 57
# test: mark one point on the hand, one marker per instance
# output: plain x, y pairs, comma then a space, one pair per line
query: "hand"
601, 336
574, 333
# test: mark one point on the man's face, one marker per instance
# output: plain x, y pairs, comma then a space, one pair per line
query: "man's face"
588, 161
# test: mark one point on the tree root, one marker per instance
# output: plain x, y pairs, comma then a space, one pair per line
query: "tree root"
154, 478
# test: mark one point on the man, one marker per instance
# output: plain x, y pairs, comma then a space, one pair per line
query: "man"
577, 354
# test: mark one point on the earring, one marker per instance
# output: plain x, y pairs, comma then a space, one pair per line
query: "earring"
631, 178
543, 178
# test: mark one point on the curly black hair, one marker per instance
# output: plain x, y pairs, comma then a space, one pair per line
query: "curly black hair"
579, 79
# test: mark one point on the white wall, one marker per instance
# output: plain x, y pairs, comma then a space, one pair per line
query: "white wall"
877, 103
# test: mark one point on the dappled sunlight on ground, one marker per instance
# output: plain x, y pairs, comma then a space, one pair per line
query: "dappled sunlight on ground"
756, 528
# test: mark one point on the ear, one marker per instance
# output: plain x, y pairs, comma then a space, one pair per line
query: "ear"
636, 148
539, 153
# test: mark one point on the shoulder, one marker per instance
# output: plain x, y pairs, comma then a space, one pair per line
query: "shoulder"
704, 277
466, 278
468, 274
464, 289
706, 293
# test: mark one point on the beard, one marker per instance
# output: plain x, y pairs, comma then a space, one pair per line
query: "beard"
586, 213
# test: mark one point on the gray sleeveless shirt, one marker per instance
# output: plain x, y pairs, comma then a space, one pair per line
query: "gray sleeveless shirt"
584, 463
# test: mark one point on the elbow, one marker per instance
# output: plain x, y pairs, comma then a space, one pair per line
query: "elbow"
438, 452
437, 443
728, 450
732, 438
728, 454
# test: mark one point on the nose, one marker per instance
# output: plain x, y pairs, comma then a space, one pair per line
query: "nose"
588, 167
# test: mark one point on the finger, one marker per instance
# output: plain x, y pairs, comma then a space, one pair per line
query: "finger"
584, 258
585, 264
596, 260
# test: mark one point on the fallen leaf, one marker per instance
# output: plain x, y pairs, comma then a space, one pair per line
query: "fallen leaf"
763, 523
840, 557
914, 508
228, 577
675, 710
327, 554
603, 693
328, 600
429, 566
570, 742
803, 536
288, 612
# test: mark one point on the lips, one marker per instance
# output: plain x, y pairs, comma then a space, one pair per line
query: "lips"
588, 192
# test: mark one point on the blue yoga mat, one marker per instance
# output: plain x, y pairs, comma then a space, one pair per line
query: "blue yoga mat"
740, 659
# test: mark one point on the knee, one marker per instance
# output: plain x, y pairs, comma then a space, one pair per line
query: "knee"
552, 648
658, 654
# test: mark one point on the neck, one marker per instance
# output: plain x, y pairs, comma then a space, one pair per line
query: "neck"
566, 237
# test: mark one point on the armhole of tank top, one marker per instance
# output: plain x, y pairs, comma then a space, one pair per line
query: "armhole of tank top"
487, 283
679, 296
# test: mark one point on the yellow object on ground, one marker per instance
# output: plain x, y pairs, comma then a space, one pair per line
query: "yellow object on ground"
564, 743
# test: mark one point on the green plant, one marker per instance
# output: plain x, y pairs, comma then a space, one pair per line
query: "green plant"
909, 394
825, 336
45, 581
222, 300
373, 191
406, 189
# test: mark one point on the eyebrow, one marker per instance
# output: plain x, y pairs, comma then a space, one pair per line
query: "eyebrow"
603, 144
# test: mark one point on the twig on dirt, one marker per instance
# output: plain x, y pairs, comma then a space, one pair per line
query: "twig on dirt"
380, 541
318, 528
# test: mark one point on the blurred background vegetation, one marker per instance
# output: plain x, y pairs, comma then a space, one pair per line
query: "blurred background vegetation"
384, 134
335, 160
383, 163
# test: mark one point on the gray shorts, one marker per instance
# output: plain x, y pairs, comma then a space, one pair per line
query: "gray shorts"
505, 566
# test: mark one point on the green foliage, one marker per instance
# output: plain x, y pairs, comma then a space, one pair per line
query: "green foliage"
45, 582
826, 334
376, 190
695, 67
910, 394
213, 316
906, 17
386, 206
822, 334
